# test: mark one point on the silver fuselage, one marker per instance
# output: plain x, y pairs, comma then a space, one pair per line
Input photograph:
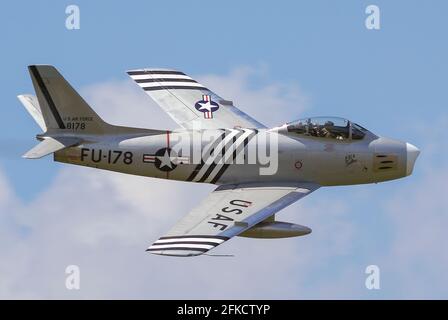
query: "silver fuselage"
300, 159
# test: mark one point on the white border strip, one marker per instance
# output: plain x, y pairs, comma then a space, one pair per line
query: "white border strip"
159, 76
186, 246
163, 241
168, 84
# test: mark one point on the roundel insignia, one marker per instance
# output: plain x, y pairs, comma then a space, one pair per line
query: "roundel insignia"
162, 159
206, 106
165, 159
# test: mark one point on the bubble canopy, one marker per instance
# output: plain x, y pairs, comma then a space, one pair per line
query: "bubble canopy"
328, 128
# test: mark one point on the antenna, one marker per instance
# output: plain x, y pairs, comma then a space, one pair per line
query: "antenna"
219, 255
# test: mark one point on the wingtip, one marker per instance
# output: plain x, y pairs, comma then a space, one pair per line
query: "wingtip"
141, 71
32, 156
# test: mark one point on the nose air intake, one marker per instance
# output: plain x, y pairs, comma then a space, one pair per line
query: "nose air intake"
412, 153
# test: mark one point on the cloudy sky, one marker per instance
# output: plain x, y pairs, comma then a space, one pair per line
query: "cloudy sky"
278, 62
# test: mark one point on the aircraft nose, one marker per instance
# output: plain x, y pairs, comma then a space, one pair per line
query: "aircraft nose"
412, 153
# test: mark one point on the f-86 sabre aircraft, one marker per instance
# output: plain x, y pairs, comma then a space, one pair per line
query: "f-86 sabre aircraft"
258, 170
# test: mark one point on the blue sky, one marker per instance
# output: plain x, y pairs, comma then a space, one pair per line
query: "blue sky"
392, 81
368, 76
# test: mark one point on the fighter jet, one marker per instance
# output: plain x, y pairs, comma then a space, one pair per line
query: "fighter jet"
258, 170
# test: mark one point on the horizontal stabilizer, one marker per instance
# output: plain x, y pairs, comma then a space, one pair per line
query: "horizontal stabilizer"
50, 145
32, 106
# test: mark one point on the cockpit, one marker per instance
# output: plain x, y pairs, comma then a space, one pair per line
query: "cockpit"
327, 128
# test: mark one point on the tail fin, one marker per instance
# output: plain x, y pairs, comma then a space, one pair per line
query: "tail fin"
61, 106
64, 115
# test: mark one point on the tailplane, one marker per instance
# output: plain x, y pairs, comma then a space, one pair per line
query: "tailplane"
50, 145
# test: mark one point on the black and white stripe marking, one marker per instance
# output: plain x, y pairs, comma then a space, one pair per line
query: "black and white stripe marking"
198, 243
152, 80
43, 88
231, 144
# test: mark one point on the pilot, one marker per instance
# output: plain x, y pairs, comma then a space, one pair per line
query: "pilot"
326, 129
315, 131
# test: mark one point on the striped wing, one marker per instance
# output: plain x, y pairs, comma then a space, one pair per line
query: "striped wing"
189, 103
225, 213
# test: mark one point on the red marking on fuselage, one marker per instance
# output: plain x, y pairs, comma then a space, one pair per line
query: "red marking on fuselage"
167, 146
168, 139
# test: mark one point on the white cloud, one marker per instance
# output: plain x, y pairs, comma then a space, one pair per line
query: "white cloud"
124, 103
6, 194
418, 257
103, 221
272, 104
